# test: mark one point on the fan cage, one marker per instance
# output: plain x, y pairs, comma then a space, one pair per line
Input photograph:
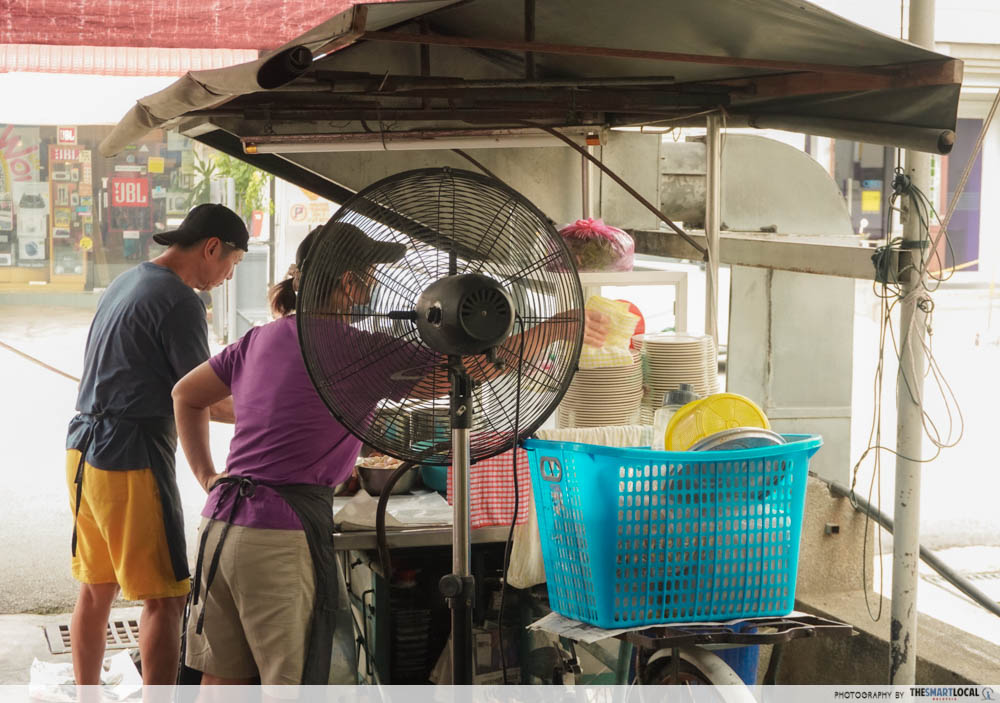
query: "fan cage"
371, 368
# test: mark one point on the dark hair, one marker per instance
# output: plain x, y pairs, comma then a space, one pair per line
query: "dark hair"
227, 248
282, 298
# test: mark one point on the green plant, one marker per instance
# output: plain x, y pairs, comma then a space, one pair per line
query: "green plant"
251, 184
201, 190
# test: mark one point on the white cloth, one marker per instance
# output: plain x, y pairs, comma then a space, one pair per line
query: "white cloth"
417, 510
526, 565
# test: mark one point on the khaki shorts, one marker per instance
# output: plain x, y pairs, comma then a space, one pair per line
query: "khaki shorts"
120, 537
258, 611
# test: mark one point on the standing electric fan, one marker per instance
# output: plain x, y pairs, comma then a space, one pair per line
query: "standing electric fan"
461, 340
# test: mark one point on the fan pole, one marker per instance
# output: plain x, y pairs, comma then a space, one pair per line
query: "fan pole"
459, 586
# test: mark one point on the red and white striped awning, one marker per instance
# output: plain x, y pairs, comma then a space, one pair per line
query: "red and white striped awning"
117, 60
235, 24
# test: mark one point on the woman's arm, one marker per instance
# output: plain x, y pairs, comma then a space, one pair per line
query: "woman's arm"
595, 331
223, 411
193, 397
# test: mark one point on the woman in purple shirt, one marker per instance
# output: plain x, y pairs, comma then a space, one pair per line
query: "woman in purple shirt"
257, 611
264, 591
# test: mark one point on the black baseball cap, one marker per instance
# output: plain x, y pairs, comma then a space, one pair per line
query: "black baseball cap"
208, 220
353, 244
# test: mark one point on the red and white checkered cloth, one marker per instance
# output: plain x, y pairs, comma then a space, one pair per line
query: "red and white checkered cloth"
491, 487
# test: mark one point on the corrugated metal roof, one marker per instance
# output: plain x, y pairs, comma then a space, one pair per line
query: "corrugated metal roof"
117, 60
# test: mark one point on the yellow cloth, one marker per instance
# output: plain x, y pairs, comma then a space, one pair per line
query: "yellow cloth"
120, 536
621, 327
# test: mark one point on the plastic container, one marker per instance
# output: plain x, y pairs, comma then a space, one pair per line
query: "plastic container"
716, 413
672, 402
435, 477
634, 537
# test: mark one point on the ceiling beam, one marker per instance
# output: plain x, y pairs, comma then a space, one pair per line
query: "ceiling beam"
558, 116
824, 256
274, 164
897, 77
352, 28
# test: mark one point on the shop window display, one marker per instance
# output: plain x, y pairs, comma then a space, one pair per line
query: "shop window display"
74, 220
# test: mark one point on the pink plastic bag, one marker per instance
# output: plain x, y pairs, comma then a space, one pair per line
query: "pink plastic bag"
596, 246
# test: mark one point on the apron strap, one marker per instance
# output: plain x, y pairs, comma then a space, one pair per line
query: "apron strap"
78, 479
79, 494
245, 489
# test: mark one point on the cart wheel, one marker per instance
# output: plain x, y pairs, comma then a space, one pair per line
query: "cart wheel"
697, 667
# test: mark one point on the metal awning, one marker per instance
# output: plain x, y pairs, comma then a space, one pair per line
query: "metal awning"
418, 69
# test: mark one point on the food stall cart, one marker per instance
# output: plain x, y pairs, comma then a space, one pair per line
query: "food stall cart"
428, 80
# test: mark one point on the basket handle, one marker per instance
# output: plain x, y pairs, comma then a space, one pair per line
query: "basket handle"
551, 469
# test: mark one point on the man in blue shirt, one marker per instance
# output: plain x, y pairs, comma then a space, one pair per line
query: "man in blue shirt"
149, 331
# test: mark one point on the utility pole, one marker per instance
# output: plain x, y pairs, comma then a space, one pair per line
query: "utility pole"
909, 403
713, 222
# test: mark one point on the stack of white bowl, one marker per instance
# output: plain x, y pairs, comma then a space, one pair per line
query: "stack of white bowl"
606, 396
671, 359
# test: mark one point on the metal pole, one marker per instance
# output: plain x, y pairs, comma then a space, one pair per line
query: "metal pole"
909, 403
461, 559
713, 222
271, 228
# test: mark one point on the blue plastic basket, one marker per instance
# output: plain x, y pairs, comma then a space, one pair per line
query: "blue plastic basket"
637, 537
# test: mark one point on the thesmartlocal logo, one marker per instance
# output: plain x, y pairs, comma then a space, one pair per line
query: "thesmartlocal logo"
954, 693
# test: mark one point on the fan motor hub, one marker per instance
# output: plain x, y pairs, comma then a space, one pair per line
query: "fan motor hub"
464, 314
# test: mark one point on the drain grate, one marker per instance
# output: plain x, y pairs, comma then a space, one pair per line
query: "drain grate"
986, 581
122, 634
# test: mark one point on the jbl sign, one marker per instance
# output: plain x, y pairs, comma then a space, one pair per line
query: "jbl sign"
129, 192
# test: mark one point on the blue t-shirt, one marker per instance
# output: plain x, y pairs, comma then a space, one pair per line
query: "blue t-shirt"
148, 331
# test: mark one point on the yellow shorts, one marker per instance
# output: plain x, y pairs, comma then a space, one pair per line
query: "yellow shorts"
120, 537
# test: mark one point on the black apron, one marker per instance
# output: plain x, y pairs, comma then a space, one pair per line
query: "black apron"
112, 442
314, 507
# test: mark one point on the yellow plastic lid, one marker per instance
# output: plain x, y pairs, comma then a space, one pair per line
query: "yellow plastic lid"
701, 418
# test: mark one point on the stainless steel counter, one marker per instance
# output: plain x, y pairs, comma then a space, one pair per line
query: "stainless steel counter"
414, 537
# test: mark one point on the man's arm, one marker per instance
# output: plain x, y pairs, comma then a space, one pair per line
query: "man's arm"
194, 395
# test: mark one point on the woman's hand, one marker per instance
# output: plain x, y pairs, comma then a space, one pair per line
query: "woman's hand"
193, 395
208, 482
595, 328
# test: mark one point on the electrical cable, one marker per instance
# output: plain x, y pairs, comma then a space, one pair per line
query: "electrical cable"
890, 295
513, 521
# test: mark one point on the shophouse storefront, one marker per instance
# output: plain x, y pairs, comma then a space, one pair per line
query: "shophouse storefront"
70, 219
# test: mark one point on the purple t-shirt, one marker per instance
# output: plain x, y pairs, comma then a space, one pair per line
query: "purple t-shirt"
284, 432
